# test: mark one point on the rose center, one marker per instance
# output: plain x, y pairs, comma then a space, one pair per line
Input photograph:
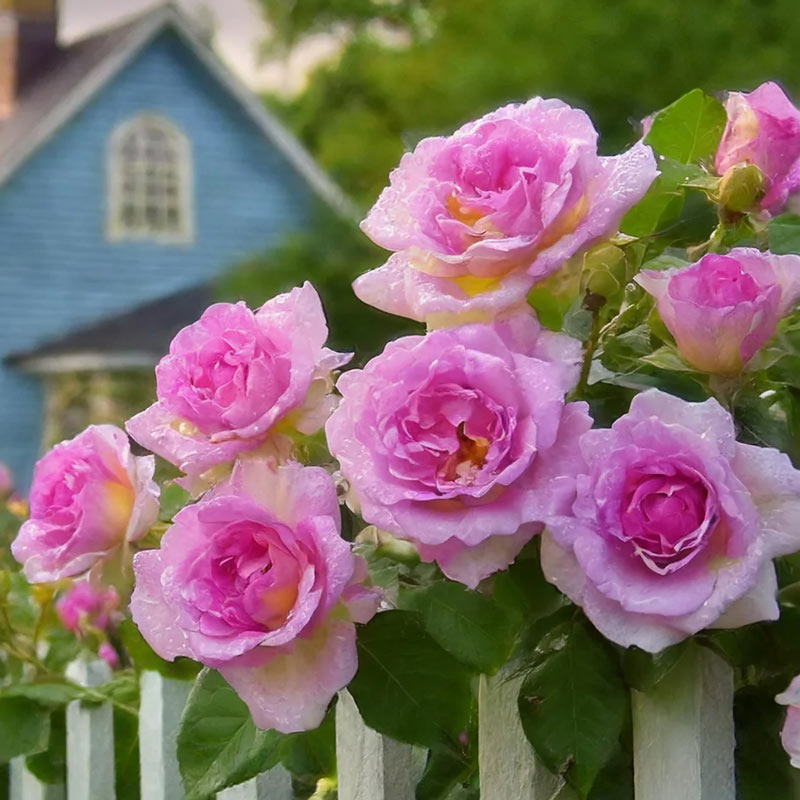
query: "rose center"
667, 518
463, 465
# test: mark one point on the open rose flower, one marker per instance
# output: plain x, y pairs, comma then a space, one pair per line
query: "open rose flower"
235, 377
86, 605
256, 581
763, 129
455, 440
790, 735
723, 309
476, 218
673, 525
88, 496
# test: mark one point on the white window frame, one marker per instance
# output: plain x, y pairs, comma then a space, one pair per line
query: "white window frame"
116, 228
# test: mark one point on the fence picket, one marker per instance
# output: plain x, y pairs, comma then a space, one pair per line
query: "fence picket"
684, 734
90, 737
161, 705
273, 785
372, 766
26, 786
508, 766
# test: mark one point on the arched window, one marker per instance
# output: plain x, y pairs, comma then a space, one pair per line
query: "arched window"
149, 181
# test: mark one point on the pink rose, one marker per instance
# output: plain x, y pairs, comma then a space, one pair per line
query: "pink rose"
763, 129
455, 440
235, 377
89, 495
673, 525
86, 605
256, 581
107, 652
790, 735
723, 309
476, 218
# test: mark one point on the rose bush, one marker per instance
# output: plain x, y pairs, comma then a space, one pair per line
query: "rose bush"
589, 459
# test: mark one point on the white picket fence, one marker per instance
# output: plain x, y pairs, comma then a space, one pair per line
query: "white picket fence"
683, 745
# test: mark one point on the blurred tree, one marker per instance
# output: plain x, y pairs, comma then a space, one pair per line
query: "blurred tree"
619, 60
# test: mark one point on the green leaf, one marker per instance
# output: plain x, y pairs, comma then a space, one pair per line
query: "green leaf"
445, 768
469, 625
126, 755
762, 766
667, 358
311, 755
689, 129
663, 203
574, 704
407, 686
144, 658
218, 744
24, 727
173, 499
47, 694
644, 671
768, 415
784, 234
50, 766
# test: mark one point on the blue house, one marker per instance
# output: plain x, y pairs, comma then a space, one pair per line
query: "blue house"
134, 168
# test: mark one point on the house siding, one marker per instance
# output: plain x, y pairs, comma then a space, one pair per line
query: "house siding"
58, 269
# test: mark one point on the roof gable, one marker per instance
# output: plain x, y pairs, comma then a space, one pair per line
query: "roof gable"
83, 69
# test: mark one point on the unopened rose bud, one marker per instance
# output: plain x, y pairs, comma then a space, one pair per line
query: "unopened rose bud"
741, 188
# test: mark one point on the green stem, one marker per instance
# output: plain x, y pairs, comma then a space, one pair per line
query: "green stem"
588, 354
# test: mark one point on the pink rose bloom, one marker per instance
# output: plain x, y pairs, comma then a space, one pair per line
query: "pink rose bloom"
724, 309
86, 605
234, 377
89, 495
476, 218
256, 581
454, 440
763, 129
790, 735
674, 524
107, 652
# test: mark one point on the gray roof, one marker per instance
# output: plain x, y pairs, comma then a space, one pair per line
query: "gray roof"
79, 71
135, 339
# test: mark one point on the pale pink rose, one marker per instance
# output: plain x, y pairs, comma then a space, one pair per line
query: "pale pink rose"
674, 525
256, 581
89, 495
235, 377
85, 605
458, 440
790, 735
723, 309
763, 129
476, 218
